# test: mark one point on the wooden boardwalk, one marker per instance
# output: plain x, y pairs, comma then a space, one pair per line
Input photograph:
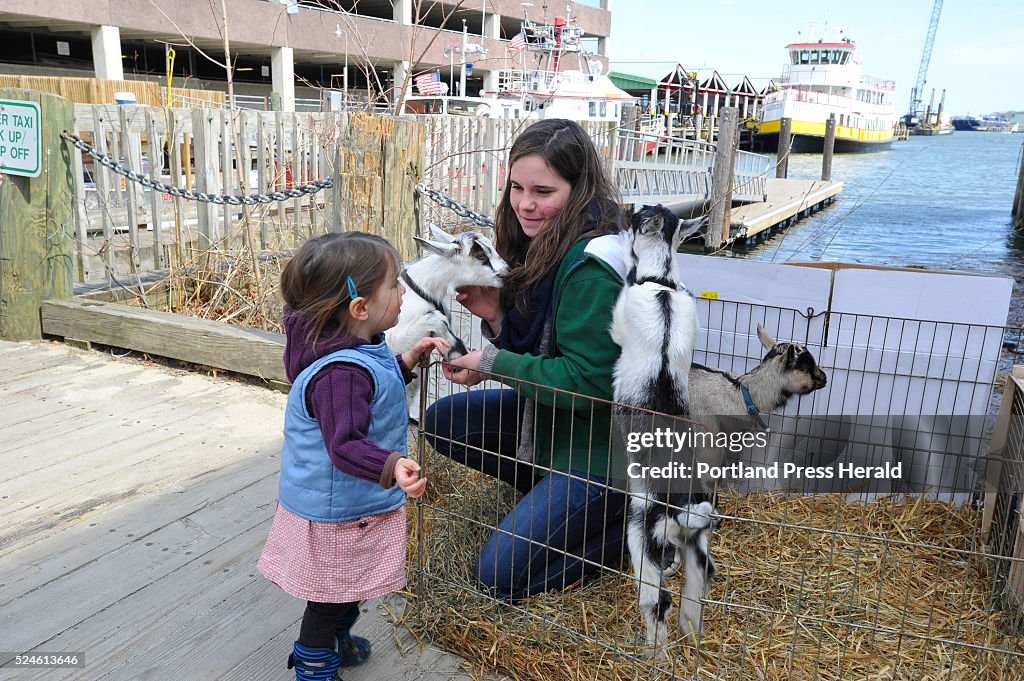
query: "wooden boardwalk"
787, 200
136, 501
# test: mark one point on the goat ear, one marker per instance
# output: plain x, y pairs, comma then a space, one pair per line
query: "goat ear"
434, 247
441, 235
767, 341
688, 228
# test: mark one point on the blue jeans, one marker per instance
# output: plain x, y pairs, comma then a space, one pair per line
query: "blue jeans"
565, 526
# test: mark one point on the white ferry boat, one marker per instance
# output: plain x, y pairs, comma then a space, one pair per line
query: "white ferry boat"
545, 89
822, 79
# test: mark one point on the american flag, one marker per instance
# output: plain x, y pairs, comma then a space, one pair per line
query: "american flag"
428, 83
517, 43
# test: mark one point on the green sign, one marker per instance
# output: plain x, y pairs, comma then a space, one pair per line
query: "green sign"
20, 152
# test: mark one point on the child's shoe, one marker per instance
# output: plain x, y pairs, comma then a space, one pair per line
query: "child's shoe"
314, 664
353, 650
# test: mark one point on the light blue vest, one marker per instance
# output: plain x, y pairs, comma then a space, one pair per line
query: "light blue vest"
311, 486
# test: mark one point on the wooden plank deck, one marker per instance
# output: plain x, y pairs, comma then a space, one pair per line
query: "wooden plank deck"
786, 199
136, 501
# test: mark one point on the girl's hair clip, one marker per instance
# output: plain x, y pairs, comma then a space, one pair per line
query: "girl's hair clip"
352, 292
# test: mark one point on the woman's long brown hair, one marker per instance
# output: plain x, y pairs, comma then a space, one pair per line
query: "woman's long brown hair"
570, 152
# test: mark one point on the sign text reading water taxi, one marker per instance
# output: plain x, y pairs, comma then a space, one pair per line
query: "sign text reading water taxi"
19, 138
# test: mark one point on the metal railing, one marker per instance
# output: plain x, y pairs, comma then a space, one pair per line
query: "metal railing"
662, 166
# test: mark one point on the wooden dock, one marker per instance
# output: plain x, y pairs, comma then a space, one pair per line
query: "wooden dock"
788, 200
136, 500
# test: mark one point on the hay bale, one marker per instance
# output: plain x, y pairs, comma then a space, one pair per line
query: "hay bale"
810, 587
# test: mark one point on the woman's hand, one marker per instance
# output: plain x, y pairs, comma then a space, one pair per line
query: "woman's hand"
407, 476
484, 302
420, 353
464, 370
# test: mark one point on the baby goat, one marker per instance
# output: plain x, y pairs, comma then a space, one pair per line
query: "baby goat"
720, 402
655, 323
466, 259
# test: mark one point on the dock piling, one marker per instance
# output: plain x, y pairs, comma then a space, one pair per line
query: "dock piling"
1018, 196
717, 231
785, 144
827, 148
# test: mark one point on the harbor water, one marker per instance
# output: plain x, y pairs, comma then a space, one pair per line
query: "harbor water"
940, 203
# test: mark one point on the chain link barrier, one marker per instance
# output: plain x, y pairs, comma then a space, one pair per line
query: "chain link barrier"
453, 205
217, 199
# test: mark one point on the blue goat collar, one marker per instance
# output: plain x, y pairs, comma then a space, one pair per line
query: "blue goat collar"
751, 409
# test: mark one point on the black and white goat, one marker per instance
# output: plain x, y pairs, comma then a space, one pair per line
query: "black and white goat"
655, 323
720, 402
466, 259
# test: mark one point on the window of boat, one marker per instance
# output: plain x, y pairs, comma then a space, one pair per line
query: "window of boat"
845, 58
814, 57
805, 56
457, 108
604, 109
794, 57
593, 109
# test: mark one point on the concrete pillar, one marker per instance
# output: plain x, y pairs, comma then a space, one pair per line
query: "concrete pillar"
606, 5
402, 12
492, 26
602, 46
106, 52
282, 76
492, 31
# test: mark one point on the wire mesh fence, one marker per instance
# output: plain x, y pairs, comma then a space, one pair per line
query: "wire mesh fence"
878, 537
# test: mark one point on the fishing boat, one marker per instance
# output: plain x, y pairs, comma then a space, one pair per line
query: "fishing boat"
547, 89
822, 79
544, 88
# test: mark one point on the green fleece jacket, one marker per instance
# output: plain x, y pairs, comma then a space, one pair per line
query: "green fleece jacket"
572, 433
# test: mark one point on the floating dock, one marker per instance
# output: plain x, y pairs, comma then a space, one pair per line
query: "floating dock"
787, 201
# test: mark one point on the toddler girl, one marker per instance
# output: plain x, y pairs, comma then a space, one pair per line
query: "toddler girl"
338, 535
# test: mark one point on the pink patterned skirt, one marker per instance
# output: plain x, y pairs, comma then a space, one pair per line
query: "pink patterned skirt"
336, 562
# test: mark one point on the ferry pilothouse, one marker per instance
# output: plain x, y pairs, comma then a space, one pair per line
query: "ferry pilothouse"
824, 79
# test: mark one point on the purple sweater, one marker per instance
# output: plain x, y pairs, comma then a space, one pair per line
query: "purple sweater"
338, 397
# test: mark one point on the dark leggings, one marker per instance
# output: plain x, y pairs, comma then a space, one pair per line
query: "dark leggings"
323, 622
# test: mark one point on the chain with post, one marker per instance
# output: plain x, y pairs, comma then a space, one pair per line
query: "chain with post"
218, 199
448, 202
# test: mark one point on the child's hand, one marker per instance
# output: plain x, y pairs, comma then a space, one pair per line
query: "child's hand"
420, 352
407, 476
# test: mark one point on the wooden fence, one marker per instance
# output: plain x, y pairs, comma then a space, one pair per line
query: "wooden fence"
375, 160
123, 228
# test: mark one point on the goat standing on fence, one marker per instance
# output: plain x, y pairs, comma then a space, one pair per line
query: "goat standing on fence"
719, 402
467, 259
655, 324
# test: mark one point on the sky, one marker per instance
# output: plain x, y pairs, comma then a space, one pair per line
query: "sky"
978, 54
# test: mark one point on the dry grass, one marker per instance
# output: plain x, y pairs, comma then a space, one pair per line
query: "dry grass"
828, 589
